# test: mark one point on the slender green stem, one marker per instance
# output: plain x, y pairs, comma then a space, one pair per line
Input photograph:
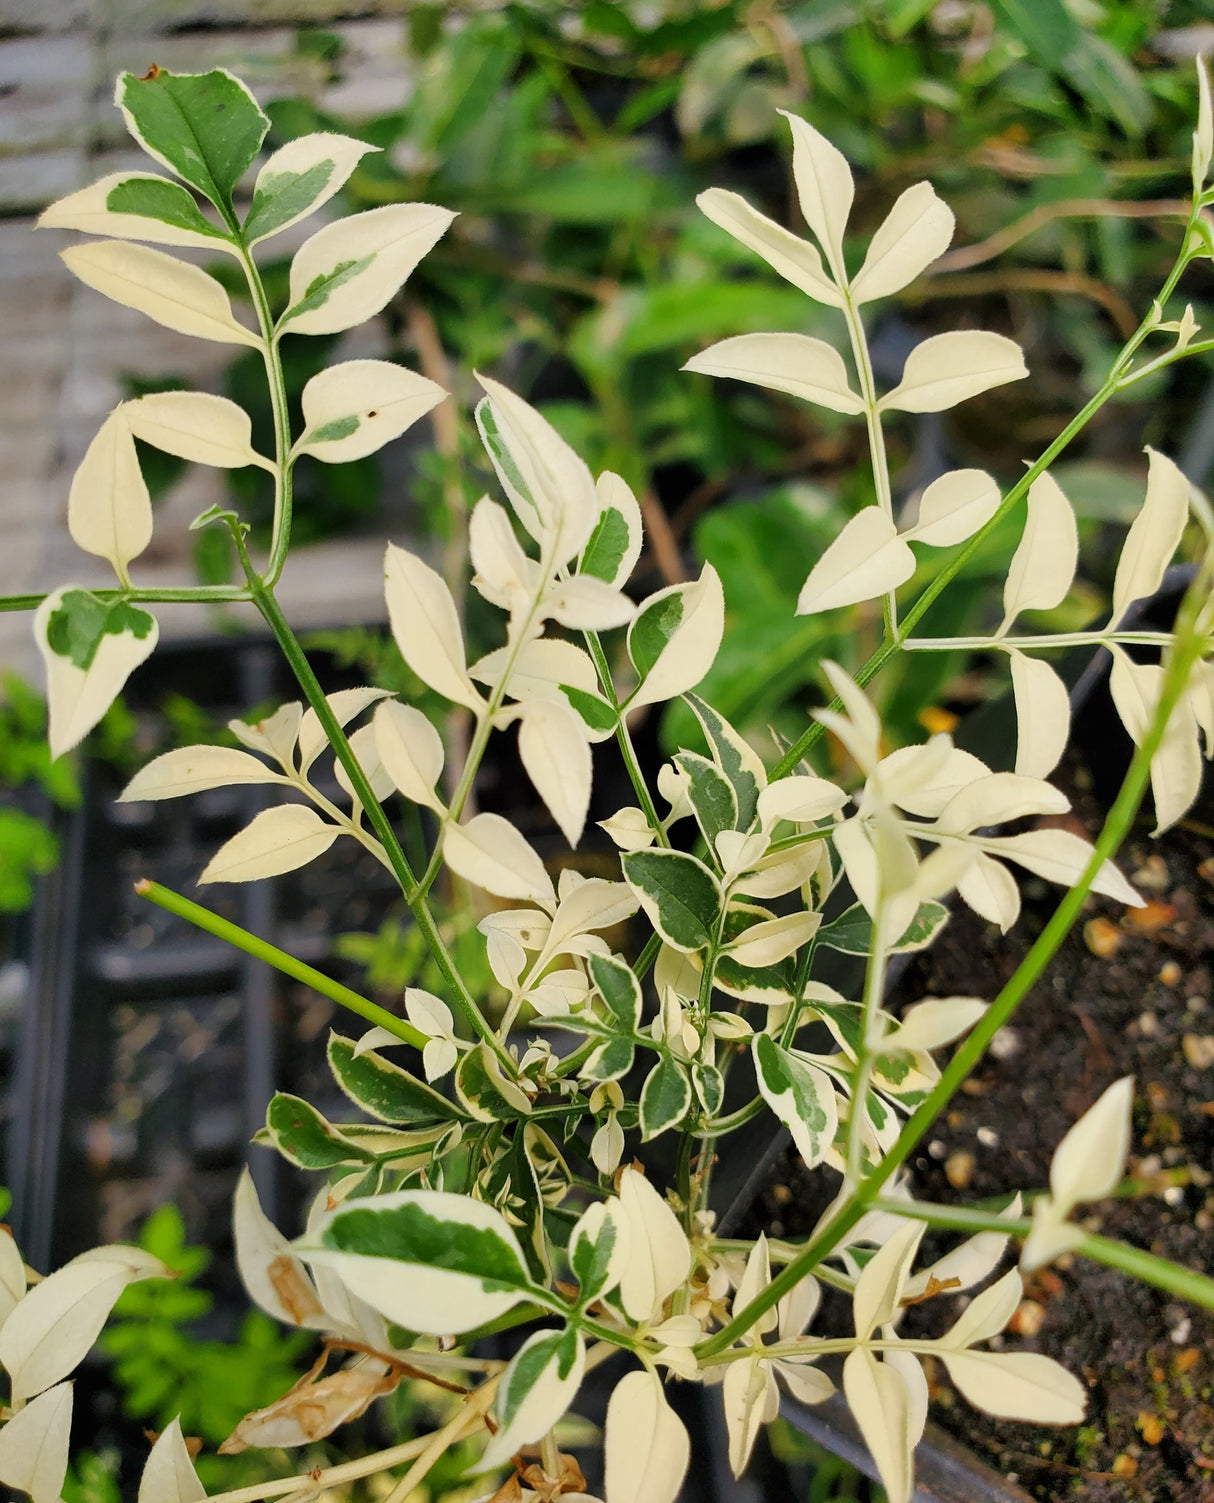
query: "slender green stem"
261, 949
280, 539
876, 436
624, 739
196, 594
874, 990
1060, 639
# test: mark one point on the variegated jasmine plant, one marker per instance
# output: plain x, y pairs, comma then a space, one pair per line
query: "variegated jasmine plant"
492, 1180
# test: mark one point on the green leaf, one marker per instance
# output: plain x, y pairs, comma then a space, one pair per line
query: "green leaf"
734, 756
619, 988
596, 712
799, 1094
76, 628
709, 1086
769, 985
608, 543
283, 197
205, 127
665, 1097
591, 1250
153, 198
1046, 27
303, 1136
384, 1089
652, 630
852, 931
711, 796
609, 1061
536, 1390
680, 895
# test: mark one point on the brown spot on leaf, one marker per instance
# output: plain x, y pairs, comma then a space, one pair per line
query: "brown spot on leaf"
295, 1294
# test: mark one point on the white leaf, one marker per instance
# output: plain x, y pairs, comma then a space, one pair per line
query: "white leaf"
1059, 856
529, 1403
87, 210
34, 1445
615, 494
425, 624
196, 426
194, 769
990, 890
865, 742
1203, 136
934, 1023
348, 271
1088, 1163
954, 507
794, 363
345, 705
1043, 715
365, 750
1018, 1385
782, 872
880, 1401
915, 231
867, 559
987, 1313
659, 1255
109, 511
504, 574
354, 408
168, 1474
769, 942
411, 752
923, 779
692, 646
744, 1393
540, 668
880, 1285
490, 853
948, 368
998, 797
275, 841
1154, 534
12, 1274
298, 178
1044, 563
557, 758
275, 736
54, 1327
270, 1271
172, 292
78, 697
795, 259
972, 1262
584, 603
824, 186
801, 799
1176, 768
646, 1448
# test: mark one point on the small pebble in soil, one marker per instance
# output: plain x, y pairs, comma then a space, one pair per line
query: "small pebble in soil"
1124, 1466
1027, 1319
1005, 1044
1102, 937
937, 1149
959, 1169
988, 1137
1198, 1050
1170, 974
1153, 875
1150, 918
1180, 1331
1148, 1024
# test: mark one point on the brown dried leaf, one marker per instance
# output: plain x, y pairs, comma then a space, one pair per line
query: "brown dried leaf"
293, 1289
310, 1411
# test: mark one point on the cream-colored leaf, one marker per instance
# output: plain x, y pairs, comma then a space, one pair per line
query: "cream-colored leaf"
782, 872
87, 210
556, 756
304, 160
168, 1474
659, 1255
54, 1327
194, 769
172, 292
796, 260
34, 1445
354, 408
196, 426
1043, 565
1018, 1385
346, 704
275, 736
948, 368
540, 668
954, 507
997, 798
934, 1023
825, 188
990, 890
1176, 768
694, 643
916, 230
879, 1400
924, 779
794, 363
972, 1262
365, 749
1059, 856
1154, 534
646, 1448
272, 1274
879, 1288
109, 511
12, 1274
425, 624
773, 940
1089, 1162
490, 853
275, 841
801, 799
349, 270
987, 1313
1043, 715
867, 559
1203, 136
504, 574
549, 1394
629, 829
584, 603
411, 752
744, 1395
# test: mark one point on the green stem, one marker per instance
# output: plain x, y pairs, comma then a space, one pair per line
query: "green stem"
624, 739
876, 436
261, 949
280, 539
198, 594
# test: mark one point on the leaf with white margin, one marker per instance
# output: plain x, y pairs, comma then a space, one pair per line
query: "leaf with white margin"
615, 543
536, 1389
796, 260
54, 1327
137, 206
1154, 534
12, 1274
345, 705
584, 603
490, 853
1043, 565
425, 625
34, 1445
350, 269
195, 769
800, 1095
797, 364
948, 368
169, 291
658, 1256
825, 188
953, 508
354, 408
1018, 1385
297, 179
410, 751
196, 426
934, 1023
879, 1400
90, 649
1059, 856
275, 841
168, 1473
674, 645
556, 756
1043, 715
1088, 1163
432, 1262
878, 1291
990, 890
598, 1249
646, 1448
867, 559
772, 940
782, 872
681, 896
916, 230
987, 1313
273, 1276
109, 511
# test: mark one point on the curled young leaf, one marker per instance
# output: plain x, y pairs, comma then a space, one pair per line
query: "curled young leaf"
796, 260
1203, 136
297, 179
915, 231
867, 559
275, 841
109, 511
948, 368
425, 625
796, 364
354, 408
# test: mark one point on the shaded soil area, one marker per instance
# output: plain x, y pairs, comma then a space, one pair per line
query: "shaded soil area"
1128, 993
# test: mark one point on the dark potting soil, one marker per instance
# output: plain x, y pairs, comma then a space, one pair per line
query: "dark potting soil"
1129, 992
